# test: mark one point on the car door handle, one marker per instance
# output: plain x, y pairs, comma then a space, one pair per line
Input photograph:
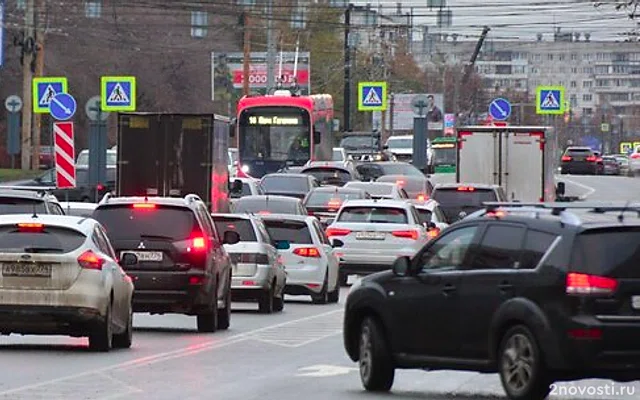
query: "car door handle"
448, 289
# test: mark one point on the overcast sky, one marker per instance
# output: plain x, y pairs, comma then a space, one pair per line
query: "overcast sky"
520, 19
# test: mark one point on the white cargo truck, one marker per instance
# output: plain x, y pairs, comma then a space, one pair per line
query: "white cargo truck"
521, 159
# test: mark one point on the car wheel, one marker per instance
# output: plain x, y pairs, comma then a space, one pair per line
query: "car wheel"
125, 339
102, 335
376, 366
323, 296
265, 304
207, 321
344, 279
224, 314
521, 367
278, 302
334, 295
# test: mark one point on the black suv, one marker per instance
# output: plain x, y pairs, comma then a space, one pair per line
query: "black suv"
457, 200
580, 160
182, 266
534, 293
28, 202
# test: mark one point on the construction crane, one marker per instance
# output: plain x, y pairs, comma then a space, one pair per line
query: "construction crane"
468, 68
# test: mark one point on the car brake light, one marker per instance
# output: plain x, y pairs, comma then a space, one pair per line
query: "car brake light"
307, 252
566, 158
400, 182
496, 214
422, 197
593, 333
466, 189
100, 187
433, 233
635, 155
592, 158
599, 159
198, 243
264, 212
144, 206
337, 232
406, 234
30, 227
590, 284
90, 260
334, 203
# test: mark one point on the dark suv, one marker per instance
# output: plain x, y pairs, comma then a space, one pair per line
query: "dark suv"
457, 200
536, 294
182, 266
580, 160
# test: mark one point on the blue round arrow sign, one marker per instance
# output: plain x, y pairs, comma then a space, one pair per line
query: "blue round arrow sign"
500, 109
62, 107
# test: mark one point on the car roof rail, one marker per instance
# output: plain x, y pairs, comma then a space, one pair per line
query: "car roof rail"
558, 207
190, 198
105, 199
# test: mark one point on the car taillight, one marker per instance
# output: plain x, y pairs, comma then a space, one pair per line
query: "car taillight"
250, 258
264, 212
100, 187
593, 333
410, 234
198, 243
337, 232
590, 284
635, 156
592, 158
466, 189
311, 213
307, 252
433, 233
90, 260
144, 206
400, 182
30, 227
422, 197
566, 158
334, 204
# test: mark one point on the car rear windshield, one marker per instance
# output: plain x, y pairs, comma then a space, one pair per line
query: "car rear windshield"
329, 175
608, 252
579, 152
374, 215
374, 190
124, 222
456, 198
400, 169
243, 227
16, 205
295, 232
322, 199
405, 143
256, 206
425, 215
284, 184
50, 240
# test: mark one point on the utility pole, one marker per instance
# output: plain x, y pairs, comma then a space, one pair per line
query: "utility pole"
247, 54
271, 48
37, 118
28, 47
347, 69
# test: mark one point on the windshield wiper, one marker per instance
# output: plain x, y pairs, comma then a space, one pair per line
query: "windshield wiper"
43, 250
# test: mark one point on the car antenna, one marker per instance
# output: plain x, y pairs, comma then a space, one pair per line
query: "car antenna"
35, 211
621, 215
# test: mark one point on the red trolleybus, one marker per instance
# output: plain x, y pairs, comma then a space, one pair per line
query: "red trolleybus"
281, 130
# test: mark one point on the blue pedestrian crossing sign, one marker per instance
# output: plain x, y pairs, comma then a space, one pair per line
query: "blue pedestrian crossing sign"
118, 93
44, 89
372, 96
550, 100
500, 109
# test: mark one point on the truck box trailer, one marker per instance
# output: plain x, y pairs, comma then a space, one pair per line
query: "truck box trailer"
521, 159
173, 155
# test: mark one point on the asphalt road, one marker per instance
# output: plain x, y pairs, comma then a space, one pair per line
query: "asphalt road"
287, 356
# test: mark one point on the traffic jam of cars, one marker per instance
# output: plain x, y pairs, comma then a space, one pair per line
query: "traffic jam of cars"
405, 245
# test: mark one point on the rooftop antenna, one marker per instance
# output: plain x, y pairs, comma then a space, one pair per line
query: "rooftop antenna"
35, 211
621, 215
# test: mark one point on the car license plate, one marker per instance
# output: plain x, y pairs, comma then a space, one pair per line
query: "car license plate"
635, 302
34, 270
370, 235
145, 255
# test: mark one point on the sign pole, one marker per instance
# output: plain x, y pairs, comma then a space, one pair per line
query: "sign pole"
419, 159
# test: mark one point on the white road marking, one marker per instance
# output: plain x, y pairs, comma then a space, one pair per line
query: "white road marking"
589, 189
212, 344
298, 336
321, 371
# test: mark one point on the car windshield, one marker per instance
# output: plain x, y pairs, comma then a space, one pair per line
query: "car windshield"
49, 240
374, 215
356, 142
262, 206
338, 155
285, 184
400, 169
124, 222
295, 232
444, 156
404, 143
242, 226
16, 205
608, 252
373, 189
321, 199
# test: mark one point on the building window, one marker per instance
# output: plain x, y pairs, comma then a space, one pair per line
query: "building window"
561, 57
587, 97
574, 84
587, 84
574, 70
21, 4
587, 111
573, 101
199, 24
550, 57
574, 57
93, 8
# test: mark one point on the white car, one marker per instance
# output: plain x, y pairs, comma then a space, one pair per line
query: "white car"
634, 162
78, 208
60, 276
250, 187
380, 190
312, 267
430, 211
370, 235
232, 161
83, 159
258, 275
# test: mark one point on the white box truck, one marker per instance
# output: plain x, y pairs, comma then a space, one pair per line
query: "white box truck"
521, 159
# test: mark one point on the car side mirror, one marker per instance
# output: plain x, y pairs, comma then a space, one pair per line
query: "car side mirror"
282, 244
560, 189
230, 237
235, 186
337, 243
402, 266
128, 259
